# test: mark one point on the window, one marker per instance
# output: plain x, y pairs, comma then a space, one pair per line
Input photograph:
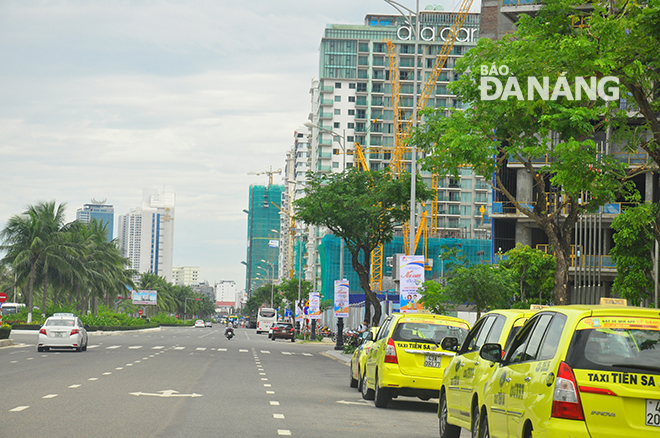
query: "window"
335, 165
361, 86
475, 338
351, 112
351, 98
337, 84
337, 98
352, 87
526, 347
335, 151
350, 137
361, 114
351, 126
552, 338
336, 124
337, 112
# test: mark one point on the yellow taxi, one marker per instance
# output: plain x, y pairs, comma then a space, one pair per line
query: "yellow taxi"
465, 376
360, 357
407, 358
576, 371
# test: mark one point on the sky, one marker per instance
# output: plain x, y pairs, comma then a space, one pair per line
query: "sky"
100, 99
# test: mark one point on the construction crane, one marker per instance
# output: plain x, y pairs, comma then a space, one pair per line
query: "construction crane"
270, 174
403, 127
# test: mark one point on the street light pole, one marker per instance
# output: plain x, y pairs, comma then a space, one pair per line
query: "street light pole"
272, 281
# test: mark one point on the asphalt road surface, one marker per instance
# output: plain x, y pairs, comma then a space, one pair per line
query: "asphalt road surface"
192, 382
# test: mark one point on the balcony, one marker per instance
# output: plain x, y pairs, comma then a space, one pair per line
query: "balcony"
327, 102
512, 9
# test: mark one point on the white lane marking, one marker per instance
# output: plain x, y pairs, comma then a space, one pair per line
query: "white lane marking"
270, 392
179, 348
113, 347
75, 386
129, 364
44, 355
107, 374
145, 358
93, 346
119, 368
50, 396
29, 358
287, 353
262, 374
93, 378
135, 347
264, 379
283, 432
201, 348
274, 403
242, 351
278, 416
222, 349
267, 385
265, 351
138, 361
308, 354
13, 361
18, 408
157, 347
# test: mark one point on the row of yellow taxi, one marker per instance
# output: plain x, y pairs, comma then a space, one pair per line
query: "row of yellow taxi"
564, 371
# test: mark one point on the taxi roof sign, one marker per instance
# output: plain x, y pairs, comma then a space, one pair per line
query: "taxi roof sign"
537, 306
614, 301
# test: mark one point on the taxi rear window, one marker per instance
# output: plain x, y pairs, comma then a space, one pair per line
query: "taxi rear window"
427, 332
616, 343
60, 322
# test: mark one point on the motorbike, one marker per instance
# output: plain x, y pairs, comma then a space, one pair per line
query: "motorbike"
229, 333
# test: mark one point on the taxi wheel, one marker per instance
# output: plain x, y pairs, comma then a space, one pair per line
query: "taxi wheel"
446, 430
483, 429
354, 382
382, 396
475, 421
367, 394
40, 349
359, 384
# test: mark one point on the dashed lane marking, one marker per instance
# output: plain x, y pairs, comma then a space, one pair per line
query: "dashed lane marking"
18, 408
75, 386
201, 348
113, 347
158, 347
91, 379
50, 396
242, 351
274, 403
265, 351
93, 346
284, 432
179, 348
135, 347
280, 416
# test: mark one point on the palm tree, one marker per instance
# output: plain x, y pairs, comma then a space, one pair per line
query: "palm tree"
27, 240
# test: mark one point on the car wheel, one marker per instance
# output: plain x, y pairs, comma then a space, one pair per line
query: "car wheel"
382, 396
78, 349
475, 421
40, 349
367, 394
483, 429
293, 339
353, 381
446, 430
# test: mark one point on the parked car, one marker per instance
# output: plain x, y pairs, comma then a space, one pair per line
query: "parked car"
359, 357
579, 371
208, 323
407, 358
466, 375
283, 330
62, 330
199, 323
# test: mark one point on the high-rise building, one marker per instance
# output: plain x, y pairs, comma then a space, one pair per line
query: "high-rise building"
352, 103
185, 275
146, 234
263, 236
225, 294
102, 212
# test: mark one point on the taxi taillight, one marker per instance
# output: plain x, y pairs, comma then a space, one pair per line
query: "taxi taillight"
566, 400
42, 332
74, 332
390, 352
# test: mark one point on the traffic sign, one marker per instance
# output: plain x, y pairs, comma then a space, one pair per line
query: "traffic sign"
139, 312
3, 297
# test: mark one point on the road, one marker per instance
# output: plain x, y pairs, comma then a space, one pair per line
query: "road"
186, 382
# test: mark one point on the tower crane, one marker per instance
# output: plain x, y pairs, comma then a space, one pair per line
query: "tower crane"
403, 127
270, 174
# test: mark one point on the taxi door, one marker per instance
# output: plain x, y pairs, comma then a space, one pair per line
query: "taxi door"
529, 395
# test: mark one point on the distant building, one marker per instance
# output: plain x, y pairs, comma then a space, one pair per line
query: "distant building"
100, 211
225, 294
146, 234
185, 275
205, 289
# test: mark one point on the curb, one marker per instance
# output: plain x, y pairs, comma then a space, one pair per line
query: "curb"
339, 357
6, 342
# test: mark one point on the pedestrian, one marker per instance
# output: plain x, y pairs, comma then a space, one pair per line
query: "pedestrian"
363, 327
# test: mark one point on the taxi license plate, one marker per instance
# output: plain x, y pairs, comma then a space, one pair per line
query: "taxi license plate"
652, 412
59, 334
431, 360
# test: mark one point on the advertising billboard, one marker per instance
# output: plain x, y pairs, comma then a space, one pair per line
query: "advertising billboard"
148, 297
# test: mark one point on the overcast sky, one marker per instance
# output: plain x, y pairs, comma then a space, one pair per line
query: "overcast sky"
100, 99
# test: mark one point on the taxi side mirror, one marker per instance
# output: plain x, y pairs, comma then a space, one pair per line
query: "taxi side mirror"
449, 344
491, 352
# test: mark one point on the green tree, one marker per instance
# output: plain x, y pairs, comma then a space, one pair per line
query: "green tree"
633, 242
534, 272
551, 141
480, 286
290, 291
363, 209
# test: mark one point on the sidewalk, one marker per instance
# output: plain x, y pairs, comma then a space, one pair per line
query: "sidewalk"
339, 356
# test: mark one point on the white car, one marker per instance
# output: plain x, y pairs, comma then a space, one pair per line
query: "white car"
199, 323
62, 330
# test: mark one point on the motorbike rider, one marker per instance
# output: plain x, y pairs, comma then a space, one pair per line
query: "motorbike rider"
230, 327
